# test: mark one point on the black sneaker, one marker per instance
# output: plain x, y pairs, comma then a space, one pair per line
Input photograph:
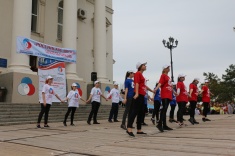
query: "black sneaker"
38, 126
207, 119
46, 126
157, 121
167, 128
130, 134
153, 121
141, 133
195, 122
203, 119
191, 121
88, 122
110, 121
144, 124
160, 128
123, 127
65, 124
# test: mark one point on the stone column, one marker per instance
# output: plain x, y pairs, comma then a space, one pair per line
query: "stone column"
21, 26
70, 34
100, 40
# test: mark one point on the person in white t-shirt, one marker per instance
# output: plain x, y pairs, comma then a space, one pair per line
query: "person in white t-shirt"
95, 102
46, 101
116, 97
73, 103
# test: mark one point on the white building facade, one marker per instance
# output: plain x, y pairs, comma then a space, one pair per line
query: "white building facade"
83, 25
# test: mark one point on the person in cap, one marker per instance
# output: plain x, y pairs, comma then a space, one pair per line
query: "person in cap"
94, 97
157, 103
73, 98
173, 103
116, 97
205, 91
181, 98
166, 96
129, 93
46, 101
137, 106
193, 95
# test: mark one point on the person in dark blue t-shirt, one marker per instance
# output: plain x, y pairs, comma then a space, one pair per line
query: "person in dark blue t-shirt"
129, 93
173, 104
157, 104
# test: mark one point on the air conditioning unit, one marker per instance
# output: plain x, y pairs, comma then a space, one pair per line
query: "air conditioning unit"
82, 14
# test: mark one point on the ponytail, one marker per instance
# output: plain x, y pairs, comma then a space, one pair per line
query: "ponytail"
127, 75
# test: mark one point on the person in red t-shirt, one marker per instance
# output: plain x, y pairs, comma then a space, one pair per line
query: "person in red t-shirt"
166, 95
137, 106
181, 98
206, 100
193, 94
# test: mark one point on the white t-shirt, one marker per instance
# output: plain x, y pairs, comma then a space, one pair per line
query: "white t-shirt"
96, 92
115, 95
49, 92
73, 97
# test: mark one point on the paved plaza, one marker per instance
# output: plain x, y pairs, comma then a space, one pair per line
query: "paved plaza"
211, 138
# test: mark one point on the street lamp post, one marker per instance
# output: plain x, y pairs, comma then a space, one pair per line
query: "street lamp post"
170, 45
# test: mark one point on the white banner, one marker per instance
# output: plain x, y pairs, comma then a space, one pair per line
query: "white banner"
31, 47
55, 69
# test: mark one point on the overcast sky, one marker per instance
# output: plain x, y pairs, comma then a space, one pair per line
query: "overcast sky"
204, 29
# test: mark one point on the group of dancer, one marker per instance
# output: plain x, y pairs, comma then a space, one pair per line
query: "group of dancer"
165, 93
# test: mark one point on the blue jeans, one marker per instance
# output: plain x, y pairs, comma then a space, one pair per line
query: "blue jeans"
114, 111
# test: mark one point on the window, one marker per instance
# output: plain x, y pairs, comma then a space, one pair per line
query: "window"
33, 63
34, 15
60, 21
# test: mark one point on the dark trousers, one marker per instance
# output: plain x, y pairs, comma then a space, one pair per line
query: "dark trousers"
205, 108
73, 109
192, 108
157, 105
137, 109
145, 111
181, 111
172, 111
94, 110
46, 111
127, 109
114, 111
165, 104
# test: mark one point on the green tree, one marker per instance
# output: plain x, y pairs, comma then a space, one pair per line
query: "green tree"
223, 90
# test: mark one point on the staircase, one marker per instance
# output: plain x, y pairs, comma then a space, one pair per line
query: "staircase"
12, 114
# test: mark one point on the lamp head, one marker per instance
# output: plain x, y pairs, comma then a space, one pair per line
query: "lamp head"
176, 42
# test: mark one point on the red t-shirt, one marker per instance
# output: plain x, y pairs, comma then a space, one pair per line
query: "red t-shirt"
194, 93
166, 87
206, 94
139, 78
183, 96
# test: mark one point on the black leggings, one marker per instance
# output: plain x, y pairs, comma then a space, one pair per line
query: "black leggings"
192, 108
165, 104
137, 109
205, 108
157, 105
46, 111
172, 112
181, 111
94, 110
73, 109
